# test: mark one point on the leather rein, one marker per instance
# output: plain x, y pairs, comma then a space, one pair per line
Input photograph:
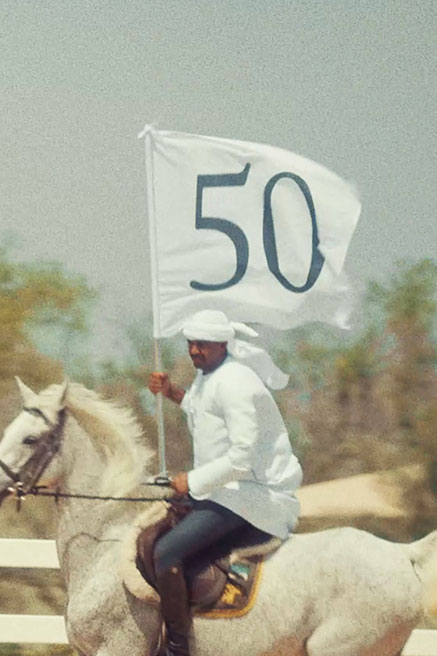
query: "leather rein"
26, 479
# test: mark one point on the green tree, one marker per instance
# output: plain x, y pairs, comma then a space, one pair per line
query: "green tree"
366, 401
411, 309
35, 650
35, 297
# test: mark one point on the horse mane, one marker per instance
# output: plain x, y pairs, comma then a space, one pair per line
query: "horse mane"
116, 434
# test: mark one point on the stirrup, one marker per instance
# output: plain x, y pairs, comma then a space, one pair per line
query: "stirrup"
160, 645
173, 648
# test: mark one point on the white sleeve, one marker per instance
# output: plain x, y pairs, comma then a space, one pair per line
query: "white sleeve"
184, 404
237, 398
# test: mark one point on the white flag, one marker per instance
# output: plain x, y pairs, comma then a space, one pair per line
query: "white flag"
255, 231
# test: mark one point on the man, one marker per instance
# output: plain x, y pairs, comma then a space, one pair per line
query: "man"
244, 470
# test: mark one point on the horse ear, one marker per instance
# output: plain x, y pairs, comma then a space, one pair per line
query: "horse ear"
26, 393
62, 393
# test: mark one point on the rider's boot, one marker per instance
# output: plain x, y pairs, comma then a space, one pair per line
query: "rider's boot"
175, 611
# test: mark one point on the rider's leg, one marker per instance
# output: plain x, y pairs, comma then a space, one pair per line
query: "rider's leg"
175, 610
207, 523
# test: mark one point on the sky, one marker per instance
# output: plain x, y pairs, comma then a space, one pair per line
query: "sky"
346, 83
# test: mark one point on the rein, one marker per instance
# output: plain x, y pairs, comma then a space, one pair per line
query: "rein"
43, 492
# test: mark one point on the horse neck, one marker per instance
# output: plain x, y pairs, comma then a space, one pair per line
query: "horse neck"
82, 464
85, 525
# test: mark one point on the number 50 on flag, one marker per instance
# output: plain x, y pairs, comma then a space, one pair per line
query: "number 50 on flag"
256, 231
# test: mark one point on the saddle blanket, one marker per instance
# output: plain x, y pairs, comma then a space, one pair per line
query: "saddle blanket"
240, 591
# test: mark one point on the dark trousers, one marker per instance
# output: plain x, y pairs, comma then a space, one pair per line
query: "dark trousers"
197, 535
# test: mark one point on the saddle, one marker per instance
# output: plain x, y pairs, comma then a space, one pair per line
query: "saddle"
222, 582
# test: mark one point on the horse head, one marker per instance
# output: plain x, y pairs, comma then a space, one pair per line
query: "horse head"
70, 436
31, 442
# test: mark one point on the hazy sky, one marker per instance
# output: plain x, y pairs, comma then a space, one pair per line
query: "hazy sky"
350, 84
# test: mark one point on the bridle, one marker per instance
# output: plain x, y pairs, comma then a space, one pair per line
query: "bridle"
48, 445
25, 481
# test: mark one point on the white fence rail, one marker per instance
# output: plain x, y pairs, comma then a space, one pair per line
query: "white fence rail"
50, 629
38, 629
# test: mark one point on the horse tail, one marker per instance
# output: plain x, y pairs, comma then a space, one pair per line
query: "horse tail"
423, 556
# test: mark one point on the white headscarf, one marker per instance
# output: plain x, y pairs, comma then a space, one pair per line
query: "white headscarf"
214, 326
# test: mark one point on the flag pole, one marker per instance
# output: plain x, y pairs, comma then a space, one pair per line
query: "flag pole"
146, 134
159, 416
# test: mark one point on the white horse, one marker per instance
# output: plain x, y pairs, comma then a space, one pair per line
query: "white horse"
340, 592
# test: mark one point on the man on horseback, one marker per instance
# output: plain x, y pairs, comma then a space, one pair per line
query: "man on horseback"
244, 473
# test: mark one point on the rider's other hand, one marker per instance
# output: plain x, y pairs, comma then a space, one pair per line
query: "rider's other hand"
179, 483
159, 382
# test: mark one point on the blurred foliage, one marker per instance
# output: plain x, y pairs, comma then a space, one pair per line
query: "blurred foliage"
36, 650
409, 297
32, 297
368, 402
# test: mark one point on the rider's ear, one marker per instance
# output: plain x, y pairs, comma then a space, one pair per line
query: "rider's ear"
26, 393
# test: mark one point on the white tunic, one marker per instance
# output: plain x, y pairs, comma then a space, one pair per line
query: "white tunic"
242, 455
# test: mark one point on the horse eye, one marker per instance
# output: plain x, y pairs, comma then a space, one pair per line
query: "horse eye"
30, 440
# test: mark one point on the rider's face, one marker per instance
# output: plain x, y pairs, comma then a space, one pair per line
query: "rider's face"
206, 356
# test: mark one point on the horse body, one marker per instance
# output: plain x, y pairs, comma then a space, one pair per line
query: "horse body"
341, 592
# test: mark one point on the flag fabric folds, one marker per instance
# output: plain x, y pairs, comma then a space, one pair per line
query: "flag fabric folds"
256, 231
